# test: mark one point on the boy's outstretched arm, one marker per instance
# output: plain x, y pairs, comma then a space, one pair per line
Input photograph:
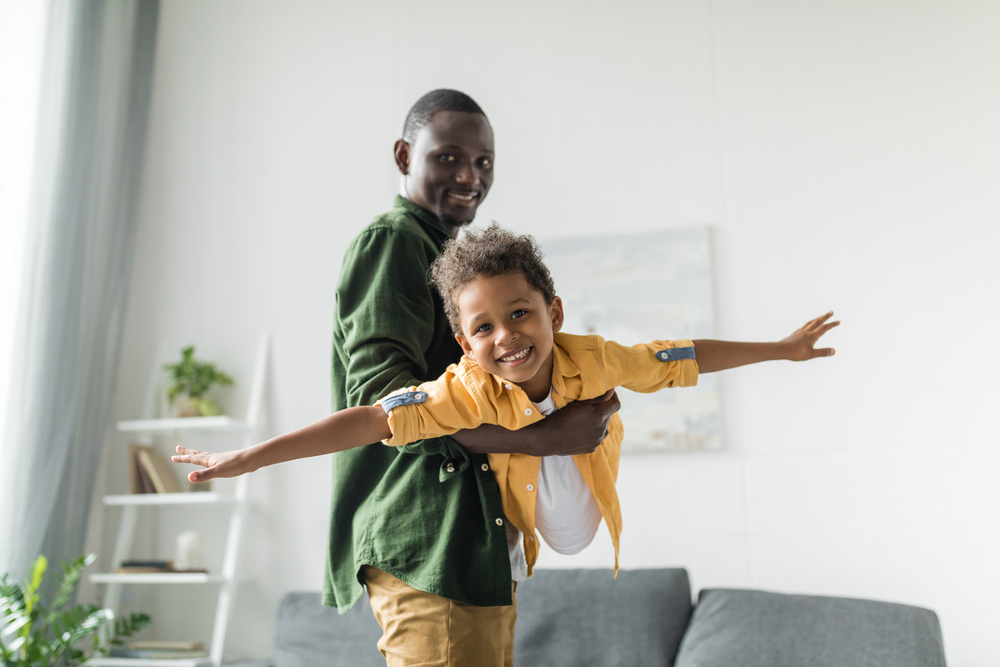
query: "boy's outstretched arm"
719, 355
342, 430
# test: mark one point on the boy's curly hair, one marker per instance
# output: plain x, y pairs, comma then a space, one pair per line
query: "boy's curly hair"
493, 251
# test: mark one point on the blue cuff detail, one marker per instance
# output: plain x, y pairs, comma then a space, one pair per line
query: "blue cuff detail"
676, 354
406, 398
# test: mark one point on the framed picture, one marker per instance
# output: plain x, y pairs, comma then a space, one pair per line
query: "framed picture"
639, 288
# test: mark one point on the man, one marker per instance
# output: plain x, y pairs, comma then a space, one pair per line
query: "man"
422, 526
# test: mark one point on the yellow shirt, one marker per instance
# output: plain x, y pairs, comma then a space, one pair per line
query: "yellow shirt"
583, 367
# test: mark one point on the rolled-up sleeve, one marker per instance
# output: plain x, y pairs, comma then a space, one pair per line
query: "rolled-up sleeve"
433, 409
649, 367
457, 400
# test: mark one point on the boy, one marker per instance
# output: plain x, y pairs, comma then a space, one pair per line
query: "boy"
502, 306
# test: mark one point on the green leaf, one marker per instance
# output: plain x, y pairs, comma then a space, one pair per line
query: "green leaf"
193, 377
31, 590
12, 626
70, 577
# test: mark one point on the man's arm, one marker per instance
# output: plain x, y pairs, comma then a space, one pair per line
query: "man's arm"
578, 428
720, 355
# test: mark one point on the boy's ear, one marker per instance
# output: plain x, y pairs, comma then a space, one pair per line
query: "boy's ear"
556, 312
464, 343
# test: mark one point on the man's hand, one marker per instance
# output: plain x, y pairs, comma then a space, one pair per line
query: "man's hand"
579, 428
223, 464
801, 345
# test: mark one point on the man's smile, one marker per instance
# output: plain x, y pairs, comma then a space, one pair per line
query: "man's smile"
464, 198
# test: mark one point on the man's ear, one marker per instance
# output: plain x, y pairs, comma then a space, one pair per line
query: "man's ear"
401, 151
556, 312
464, 343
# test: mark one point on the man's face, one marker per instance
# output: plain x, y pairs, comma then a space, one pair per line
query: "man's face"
448, 169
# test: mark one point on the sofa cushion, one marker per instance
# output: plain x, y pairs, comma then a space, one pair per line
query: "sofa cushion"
308, 634
739, 628
584, 617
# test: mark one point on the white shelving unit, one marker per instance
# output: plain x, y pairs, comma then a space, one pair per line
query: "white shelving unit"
236, 503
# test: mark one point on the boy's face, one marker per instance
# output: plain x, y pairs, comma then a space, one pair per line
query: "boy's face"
507, 328
448, 169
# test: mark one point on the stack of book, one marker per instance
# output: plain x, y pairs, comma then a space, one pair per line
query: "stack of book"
150, 472
151, 566
144, 566
162, 650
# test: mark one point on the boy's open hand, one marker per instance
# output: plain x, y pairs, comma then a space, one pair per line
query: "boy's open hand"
223, 464
801, 345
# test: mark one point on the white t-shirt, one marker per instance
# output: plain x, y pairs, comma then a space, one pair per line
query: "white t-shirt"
566, 513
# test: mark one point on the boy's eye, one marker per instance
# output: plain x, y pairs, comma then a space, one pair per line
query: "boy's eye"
483, 328
520, 312
447, 158
485, 162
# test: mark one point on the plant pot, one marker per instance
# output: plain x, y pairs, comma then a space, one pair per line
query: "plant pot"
185, 407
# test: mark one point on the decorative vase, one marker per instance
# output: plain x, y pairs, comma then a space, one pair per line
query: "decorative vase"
184, 406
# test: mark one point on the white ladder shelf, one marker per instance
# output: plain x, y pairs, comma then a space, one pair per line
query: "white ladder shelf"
130, 504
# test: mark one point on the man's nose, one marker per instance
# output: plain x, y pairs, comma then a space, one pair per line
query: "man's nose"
466, 174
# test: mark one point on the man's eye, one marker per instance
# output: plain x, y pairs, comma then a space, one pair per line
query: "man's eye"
520, 312
486, 162
447, 158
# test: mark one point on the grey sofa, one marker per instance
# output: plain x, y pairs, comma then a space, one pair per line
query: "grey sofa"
646, 618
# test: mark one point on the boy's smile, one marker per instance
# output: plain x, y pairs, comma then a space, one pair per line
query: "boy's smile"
507, 328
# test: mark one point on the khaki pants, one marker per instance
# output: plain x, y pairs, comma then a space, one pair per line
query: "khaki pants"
424, 630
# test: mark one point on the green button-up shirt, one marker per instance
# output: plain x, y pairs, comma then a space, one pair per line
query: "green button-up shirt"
428, 513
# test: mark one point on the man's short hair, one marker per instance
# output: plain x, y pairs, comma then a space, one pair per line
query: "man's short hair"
441, 99
494, 251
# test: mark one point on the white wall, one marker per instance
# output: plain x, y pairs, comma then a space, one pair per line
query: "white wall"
845, 155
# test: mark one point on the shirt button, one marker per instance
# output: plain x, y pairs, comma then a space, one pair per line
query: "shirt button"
527, 411
531, 487
485, 467
531, 537
499, 522
508, 387
450, 468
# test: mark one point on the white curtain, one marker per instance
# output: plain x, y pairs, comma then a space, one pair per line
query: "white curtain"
93, 102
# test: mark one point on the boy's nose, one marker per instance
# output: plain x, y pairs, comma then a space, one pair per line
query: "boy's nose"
505, 336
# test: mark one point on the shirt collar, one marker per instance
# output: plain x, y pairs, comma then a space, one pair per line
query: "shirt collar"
422, 214
562, 367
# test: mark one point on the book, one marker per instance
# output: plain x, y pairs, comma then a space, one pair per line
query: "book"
145, 566
151, 562
135, 470
161, 475
154, 567
155, 645
151, 654
145, 483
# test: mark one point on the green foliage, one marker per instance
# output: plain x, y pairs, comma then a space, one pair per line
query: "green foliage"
193, 378
37, 634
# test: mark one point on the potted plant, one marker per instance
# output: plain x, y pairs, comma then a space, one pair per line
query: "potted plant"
190, 380
37, 634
